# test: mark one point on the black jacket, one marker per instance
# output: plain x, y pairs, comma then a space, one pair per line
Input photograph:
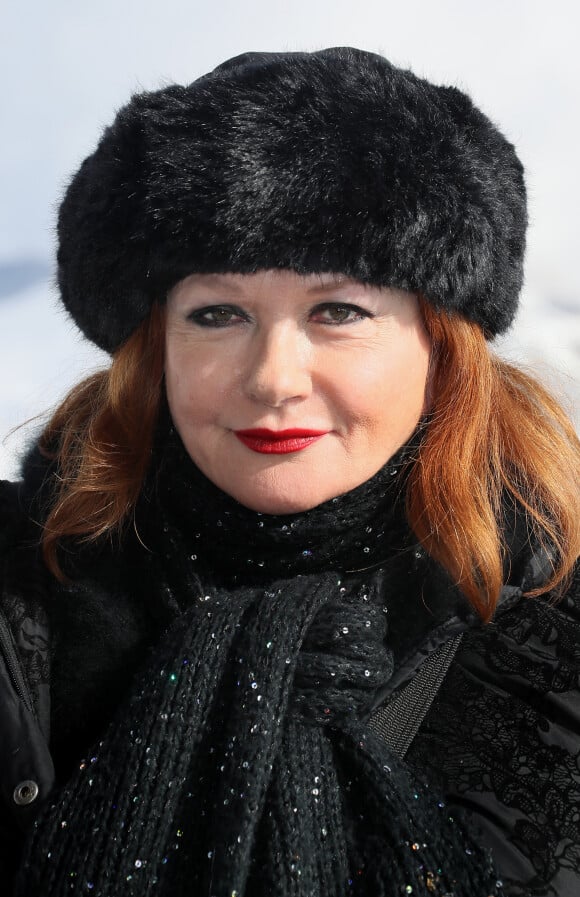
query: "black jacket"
501, 740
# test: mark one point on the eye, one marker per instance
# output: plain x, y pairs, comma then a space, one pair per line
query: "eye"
216, 316
336, 313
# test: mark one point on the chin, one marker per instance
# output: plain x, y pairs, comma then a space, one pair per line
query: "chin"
278, 505
265, 499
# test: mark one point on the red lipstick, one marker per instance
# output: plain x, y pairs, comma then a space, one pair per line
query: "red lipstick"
279, 442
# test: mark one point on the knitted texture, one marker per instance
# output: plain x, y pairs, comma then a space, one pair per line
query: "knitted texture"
212, 781
329, 161
240, 764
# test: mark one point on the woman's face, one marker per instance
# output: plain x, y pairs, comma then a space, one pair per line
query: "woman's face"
341, 365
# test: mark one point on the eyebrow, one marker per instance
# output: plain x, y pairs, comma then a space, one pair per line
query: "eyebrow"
218, 280
329, 285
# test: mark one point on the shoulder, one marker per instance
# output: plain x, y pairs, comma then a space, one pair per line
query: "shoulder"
20, 539
12, 516
24, 640
503, 738
527, 659
24, 503
78, 643
21, 572
537, 639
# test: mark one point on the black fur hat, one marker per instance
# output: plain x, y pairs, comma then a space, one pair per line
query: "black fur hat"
328, 161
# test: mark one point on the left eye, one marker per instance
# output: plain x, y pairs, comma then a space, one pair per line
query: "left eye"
216, 316
334, 313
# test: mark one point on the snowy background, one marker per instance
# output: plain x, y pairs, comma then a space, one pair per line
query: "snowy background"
67, 66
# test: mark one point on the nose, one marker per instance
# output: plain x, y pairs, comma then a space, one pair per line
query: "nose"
278, 368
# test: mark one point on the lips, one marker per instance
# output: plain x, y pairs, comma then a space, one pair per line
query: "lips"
279, 442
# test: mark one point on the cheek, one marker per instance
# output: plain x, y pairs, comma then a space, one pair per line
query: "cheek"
387, 391
175, 383
197, 386
181, 378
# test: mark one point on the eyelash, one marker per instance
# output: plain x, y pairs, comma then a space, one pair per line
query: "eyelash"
199, 315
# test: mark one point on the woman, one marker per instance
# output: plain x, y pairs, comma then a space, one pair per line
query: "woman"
288, 602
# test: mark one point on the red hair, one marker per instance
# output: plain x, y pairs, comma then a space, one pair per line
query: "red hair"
102, 435
493, 431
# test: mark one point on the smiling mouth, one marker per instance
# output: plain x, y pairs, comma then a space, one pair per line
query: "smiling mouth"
281, 442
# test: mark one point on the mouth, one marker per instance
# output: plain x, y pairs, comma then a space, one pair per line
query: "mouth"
280, 442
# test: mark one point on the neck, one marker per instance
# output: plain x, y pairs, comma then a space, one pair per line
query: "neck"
359, 529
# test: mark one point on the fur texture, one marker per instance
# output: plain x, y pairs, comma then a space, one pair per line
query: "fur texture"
327, 161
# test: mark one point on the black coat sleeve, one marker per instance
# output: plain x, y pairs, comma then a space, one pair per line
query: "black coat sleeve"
503, 738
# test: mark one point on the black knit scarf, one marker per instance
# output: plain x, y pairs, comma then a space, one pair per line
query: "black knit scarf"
240, 765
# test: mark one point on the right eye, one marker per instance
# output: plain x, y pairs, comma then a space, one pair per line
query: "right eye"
217, 316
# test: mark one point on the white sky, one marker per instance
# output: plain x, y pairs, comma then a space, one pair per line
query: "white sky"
66, 66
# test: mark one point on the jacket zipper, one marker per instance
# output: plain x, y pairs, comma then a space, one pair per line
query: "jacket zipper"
8, 651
